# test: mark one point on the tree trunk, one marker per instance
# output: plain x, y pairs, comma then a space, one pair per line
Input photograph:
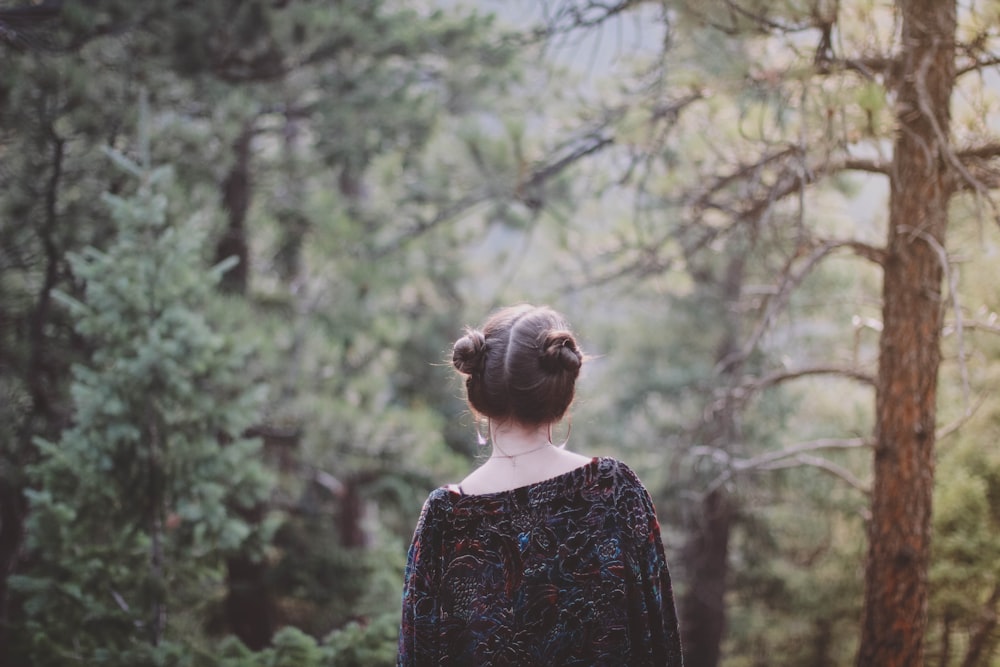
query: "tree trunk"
945, 648
979, 640
237, 190
822, 643
350, 516
13, 511
706, 558
250, 606
705, 555
895, 606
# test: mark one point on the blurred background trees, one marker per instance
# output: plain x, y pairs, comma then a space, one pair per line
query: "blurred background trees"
224, 320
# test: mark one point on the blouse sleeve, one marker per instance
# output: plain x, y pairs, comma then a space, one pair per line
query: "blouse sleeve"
658, 609
419, 631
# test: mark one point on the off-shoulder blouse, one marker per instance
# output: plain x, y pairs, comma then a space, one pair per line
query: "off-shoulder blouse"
567, 571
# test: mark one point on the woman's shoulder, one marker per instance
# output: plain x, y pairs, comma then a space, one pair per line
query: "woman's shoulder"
437, 504
618, 471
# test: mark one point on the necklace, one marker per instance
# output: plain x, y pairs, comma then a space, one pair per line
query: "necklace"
513, 457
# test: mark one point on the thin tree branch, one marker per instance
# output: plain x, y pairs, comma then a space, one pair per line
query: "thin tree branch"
977, 65
568, 16
870, 166
790, 281
838, 471
957, 424
769, 460
767, 381
421, 226
976, 325
926, 109
872, 253
952, 278
527, 189
981, 152
822, 444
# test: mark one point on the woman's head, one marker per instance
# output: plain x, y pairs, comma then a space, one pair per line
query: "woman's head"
522, 366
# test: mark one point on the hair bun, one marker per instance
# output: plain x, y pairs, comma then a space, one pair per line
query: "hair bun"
469, 353
560, 353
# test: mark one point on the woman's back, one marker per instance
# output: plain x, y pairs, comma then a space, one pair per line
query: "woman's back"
566, 571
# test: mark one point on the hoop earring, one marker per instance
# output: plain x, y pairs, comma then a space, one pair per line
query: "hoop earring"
481, 440
569, 429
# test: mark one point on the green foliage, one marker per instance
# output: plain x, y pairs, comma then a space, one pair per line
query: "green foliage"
388, 153
136, 505
370, 644
964, 573
351, 299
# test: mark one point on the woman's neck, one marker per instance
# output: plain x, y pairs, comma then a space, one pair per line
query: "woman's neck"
512, 440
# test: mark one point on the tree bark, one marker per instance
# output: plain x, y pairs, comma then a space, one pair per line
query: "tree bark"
895, 607
706, 558
250, 607
705, 555
237, 190
13, 511
979, 639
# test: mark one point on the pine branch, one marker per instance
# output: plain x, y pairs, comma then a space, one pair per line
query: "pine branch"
19, 25
570, 15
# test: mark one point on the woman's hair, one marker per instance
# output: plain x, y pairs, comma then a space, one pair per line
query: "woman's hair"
522, 366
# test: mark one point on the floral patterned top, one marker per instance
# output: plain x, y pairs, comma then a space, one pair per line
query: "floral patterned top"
568, 571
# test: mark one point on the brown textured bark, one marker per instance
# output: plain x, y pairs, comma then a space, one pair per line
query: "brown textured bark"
705, 555
979, 640
350, 515
822, 643
706, 558
41, 376
13, 512
895, 606
236, 193
250, 607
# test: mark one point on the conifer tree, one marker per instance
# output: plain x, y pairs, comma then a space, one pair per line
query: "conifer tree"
134, 506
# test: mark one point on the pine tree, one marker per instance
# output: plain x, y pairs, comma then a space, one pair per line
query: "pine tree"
135, 506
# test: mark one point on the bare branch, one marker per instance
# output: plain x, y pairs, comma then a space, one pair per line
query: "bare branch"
826, 465
790, 280
869, 68
871, 253
982, 152
926, 109
761, 23
704, 198
821, 444
990, 326
527, 189
420, 226
571, 15
774, 460
977, 64
757, 385
870, 166
957, 424
981, 162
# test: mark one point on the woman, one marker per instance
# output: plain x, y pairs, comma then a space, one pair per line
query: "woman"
540, 556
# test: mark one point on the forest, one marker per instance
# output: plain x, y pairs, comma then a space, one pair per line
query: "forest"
238, 239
